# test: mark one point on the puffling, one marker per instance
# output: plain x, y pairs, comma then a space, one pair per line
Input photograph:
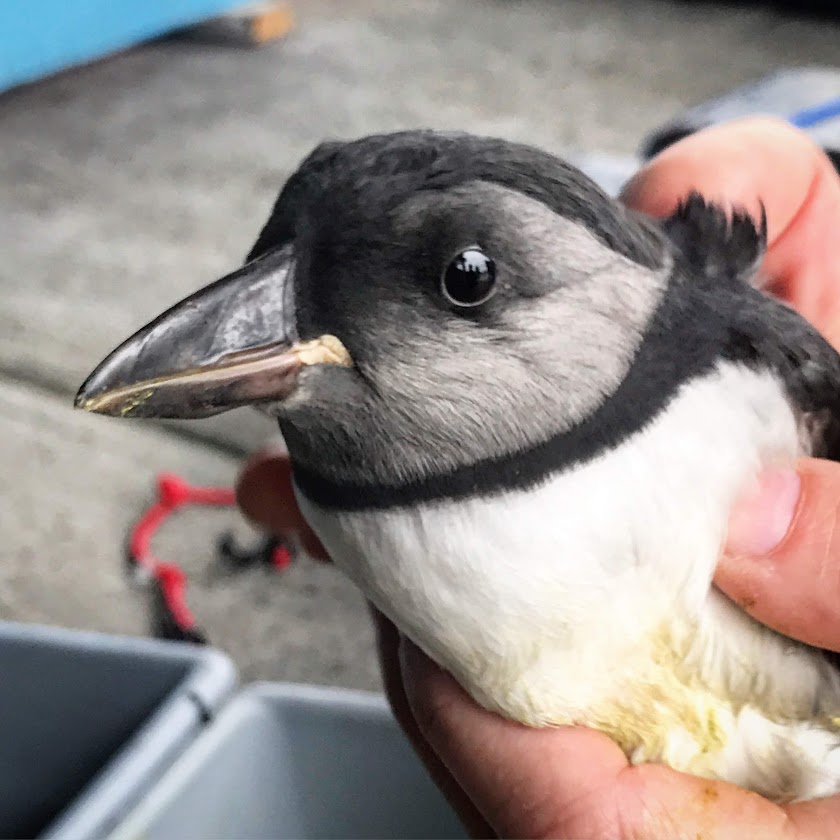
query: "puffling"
518, 415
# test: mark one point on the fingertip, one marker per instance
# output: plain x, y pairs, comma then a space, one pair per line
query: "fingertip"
265, 495
795, 587
763, 516
744, 163
755, 162
264, 487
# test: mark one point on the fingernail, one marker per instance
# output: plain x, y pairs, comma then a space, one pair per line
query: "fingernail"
761, 517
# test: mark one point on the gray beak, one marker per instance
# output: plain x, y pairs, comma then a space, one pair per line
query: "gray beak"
231, 344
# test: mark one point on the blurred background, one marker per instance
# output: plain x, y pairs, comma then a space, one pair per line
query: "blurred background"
128, 182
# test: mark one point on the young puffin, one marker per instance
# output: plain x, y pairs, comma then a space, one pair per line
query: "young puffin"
518, 416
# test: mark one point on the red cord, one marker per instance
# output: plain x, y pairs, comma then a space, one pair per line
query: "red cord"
173, 583
281, 557
141, 536
174, 493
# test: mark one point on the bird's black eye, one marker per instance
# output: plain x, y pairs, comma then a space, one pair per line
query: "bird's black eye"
470, 279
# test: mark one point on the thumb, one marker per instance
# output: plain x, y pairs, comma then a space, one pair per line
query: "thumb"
782, 559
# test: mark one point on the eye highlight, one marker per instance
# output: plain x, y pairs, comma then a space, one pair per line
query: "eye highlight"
469, 279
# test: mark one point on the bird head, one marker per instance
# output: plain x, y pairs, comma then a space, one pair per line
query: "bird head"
416, 303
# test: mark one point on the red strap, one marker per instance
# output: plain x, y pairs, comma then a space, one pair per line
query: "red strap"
172, 493
140, 546
281, 557
173, 583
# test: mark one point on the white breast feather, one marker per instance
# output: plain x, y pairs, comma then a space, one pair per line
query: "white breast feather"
588, 599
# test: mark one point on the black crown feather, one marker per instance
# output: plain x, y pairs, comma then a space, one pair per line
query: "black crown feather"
716, 242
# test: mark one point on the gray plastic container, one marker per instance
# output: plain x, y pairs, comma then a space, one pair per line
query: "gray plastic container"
296, 761
90, 721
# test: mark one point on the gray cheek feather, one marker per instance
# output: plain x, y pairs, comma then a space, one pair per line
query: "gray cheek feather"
450, 394
559, 351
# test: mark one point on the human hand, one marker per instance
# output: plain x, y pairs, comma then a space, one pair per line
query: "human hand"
782, 563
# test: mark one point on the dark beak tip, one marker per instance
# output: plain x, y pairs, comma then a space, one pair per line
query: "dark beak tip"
87, 391
82, 402
82, 394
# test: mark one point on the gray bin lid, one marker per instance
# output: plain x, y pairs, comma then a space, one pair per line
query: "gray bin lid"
296, 761
90, 721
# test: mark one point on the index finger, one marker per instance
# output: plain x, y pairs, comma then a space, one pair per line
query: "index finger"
766, 161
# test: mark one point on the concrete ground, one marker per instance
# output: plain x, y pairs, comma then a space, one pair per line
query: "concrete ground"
126, 184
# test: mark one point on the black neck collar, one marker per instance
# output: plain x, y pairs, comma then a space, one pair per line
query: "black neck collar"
687, 337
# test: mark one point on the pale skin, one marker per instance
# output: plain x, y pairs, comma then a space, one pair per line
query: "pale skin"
782, 562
